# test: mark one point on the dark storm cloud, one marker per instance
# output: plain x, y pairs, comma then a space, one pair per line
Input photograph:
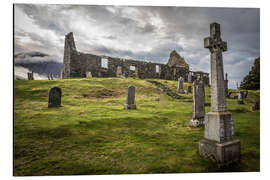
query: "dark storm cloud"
147, 33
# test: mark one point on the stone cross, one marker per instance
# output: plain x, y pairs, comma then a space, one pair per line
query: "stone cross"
189, 77
218, 144
130, 103
216, 46
198, 108
180, 85
55, 97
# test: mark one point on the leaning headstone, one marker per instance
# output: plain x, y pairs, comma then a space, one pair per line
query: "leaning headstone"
55, 97
30, 75
88, 74
180, 85
189, 77
198, 106
240, 97
130, 103
189, 90
218, 144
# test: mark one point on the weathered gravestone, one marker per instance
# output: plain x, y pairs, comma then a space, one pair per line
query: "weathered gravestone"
30, 75
180, 85
240, 97
218, 144
88, 74
198, 109
245, 93
130, 103
189, 77
189, 90
55, 97
256, 105
226, 85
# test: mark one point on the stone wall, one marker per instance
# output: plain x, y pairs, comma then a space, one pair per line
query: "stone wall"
76, 64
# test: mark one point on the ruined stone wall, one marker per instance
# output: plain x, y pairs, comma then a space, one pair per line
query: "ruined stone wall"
76, 64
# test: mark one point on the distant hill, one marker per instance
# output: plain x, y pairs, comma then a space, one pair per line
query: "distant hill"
40, 63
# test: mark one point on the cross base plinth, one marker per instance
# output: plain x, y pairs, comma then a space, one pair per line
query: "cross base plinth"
221, 153
130, 106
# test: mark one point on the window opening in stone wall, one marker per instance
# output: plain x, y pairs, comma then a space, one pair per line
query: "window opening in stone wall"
157, 68
132, 68
104, 63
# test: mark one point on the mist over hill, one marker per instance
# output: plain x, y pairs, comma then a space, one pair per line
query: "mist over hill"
40, 63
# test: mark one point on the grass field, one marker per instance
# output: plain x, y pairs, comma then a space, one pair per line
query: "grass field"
92, 134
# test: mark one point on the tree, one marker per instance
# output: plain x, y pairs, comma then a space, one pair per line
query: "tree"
252, 80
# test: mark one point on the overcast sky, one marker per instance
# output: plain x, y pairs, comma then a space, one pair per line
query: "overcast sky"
144, 33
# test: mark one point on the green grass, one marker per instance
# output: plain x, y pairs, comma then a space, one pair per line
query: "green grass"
92, 134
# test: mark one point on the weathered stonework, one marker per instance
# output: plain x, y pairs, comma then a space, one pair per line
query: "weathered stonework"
226, 85
30, 75
180, 87
54, 97
218, 144
198, 107
76, 64
130, 104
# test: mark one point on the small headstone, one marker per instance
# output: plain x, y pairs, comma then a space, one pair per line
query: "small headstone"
189, 90
245, 94
130, 104
180, 85
55, 97
198, 106
240, 97
88, 74
30, 75
189, 77
256, 105
51, 75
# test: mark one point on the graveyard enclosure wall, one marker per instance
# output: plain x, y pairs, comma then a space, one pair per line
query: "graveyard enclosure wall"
76, 64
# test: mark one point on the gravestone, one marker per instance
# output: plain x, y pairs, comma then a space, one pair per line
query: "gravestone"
88, 74
240, 97
189, 77
189, 90
245, 94
130, 103
218, 143
198, 106
180, 85
226, 85
256, 105
51, 75
119, 71
30, 75
55, 97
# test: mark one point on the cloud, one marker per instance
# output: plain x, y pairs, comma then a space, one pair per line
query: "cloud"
147, 33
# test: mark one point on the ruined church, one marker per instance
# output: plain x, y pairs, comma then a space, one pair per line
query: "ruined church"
78, 64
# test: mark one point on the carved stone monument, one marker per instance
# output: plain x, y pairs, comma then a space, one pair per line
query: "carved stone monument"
130, 104
55, 97
180, 85
218, 144
198, 109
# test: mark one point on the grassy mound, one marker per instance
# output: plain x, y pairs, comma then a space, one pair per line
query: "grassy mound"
92, 133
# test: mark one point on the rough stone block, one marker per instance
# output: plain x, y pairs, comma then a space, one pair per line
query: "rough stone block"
221, 153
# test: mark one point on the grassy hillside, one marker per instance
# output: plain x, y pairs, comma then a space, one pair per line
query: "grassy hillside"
93, 134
